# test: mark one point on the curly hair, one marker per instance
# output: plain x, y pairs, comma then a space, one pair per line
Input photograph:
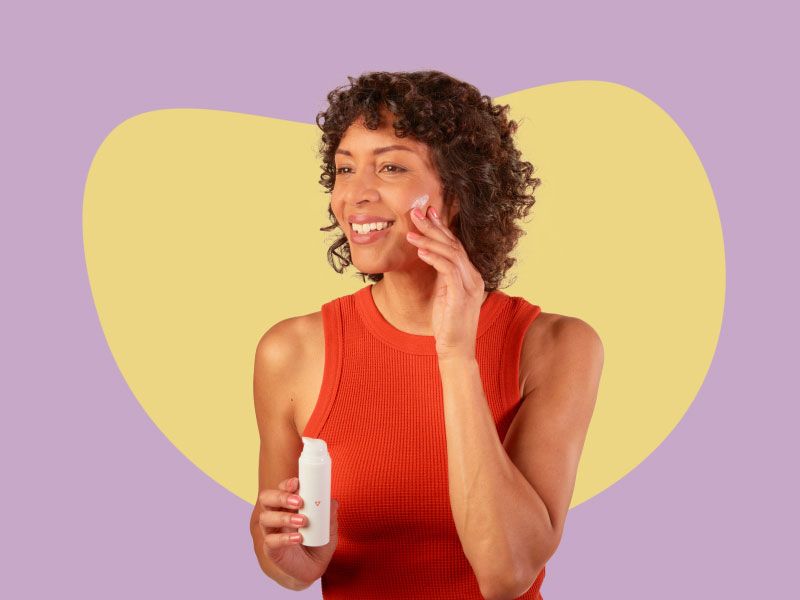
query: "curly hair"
471, 147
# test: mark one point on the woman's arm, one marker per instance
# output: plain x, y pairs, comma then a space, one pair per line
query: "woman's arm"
506, 528
276, 354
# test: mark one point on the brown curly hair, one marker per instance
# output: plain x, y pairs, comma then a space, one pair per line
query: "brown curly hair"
471, 146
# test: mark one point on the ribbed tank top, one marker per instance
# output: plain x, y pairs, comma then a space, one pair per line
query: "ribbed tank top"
380, 410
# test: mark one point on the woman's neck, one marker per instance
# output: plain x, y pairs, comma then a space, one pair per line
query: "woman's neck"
406, 301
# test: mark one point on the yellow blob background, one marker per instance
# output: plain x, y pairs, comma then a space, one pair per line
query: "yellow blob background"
201, 231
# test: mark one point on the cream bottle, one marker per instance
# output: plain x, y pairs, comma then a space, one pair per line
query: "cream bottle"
314, 469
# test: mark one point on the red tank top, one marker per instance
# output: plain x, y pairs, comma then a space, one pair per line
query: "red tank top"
380, 411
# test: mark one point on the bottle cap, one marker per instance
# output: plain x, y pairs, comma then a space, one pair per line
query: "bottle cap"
314, 448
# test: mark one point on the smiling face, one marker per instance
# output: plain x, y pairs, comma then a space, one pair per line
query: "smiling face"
378, 177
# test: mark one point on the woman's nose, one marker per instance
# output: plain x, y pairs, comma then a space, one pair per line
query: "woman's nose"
361, 188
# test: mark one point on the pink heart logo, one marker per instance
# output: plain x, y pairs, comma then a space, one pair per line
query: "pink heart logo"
316, 502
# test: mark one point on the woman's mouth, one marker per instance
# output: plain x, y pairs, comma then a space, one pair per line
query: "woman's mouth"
367, 233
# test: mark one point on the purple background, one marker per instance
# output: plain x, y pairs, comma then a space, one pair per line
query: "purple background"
98, 502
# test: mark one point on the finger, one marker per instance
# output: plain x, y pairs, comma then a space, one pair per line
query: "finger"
438, 222
426, 226
448, 269
275, 519
277, 540
290, 484
433, 228
473, 280
453, 251
446, 248
279, 499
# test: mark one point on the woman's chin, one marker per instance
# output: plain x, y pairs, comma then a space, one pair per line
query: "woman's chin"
368, 267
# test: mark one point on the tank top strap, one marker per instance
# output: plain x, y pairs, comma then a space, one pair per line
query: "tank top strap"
523, 314
332, 323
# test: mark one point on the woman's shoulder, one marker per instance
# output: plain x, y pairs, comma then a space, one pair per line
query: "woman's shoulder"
297, 336
291, 338
548, 334
551, 326
310, 330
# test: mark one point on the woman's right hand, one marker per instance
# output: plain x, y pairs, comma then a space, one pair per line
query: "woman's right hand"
304, 563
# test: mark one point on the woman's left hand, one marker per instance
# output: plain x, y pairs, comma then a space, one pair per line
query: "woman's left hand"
459, 287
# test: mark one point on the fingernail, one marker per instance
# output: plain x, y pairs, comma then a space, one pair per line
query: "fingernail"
434, 213
294, 501
418, 213
296, 520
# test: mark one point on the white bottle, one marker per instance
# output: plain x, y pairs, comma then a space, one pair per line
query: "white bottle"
314, 470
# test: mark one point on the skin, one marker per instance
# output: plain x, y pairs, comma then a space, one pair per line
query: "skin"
387, 185
440, 293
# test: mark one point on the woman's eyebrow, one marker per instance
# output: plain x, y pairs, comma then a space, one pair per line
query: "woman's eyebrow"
377, 151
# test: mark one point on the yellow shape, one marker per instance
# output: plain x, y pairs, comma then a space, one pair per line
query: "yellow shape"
201, 231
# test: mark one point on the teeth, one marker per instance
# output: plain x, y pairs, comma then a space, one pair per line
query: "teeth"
367, 227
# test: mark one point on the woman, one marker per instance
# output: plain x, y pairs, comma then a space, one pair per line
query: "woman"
454, 414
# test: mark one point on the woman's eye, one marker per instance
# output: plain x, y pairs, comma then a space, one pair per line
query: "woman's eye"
396, 168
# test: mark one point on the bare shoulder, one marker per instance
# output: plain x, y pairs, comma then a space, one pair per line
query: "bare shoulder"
292, 354
549, 335
290, 339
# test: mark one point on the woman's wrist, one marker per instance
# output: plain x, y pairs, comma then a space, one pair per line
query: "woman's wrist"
451, 359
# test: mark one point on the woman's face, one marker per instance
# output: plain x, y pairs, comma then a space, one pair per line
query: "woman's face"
382, 186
